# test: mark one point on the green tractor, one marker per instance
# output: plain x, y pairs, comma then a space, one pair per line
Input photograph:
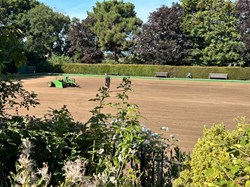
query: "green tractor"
63, 83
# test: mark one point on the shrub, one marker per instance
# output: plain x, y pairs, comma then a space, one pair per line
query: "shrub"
220, 158
234, 73
14, 96
59, 59
109, 143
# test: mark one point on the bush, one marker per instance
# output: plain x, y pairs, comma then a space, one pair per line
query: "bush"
109, 143
234, 73
220, 158
59, 59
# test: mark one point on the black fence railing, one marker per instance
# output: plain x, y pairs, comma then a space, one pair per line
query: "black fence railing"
160, 167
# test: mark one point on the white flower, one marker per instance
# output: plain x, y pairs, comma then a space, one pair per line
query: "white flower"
112, 179
74, 171
26, 146
156, 135
44, 172
101, 151
145, 130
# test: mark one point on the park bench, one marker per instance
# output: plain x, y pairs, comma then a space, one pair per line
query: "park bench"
162, 74
218, 76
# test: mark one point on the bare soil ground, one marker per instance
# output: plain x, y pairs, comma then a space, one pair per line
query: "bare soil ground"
183, 106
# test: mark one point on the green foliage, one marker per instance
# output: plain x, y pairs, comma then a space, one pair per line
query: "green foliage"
220, 158
53, 64
82, 42
117, 148
11, 48
14, 96
115, 24
234, 73
207, 33
108, 142
59, 59
243, 14
55, 138
212, 27
25, 175
11, 11
162, 41
45, 31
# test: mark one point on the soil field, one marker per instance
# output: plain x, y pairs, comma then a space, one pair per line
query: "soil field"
183, 106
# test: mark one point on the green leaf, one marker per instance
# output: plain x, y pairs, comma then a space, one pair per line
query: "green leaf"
247, 169
234, 169
209, 172
247, 183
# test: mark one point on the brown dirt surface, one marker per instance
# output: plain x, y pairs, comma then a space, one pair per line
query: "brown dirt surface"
183, 106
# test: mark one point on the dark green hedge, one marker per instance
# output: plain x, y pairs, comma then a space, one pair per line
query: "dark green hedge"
234, 73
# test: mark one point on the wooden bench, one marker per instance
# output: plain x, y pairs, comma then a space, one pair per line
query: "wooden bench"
218, 76
162, 74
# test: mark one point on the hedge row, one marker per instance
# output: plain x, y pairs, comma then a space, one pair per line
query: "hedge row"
234, 73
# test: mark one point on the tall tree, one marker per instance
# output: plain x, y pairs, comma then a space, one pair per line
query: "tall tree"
11, 11
11, 37
11, 49
115, 25
46, 30
161, 40
212, 26
82, 42
243, 14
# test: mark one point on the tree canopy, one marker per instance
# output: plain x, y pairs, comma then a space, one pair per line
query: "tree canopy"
212, 24
195, 32
82, 42
115, 24
46, 30
243, 14
11, 11
161, 40
11, 48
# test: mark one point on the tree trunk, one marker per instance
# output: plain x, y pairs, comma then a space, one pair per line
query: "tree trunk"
115, 55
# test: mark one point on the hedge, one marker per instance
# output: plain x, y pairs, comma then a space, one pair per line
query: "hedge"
234, 73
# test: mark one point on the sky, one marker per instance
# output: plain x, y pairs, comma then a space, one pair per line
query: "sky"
79, 8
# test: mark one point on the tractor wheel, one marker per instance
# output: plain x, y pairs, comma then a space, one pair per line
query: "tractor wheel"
51, 84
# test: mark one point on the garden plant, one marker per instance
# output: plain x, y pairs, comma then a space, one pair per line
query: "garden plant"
106, 150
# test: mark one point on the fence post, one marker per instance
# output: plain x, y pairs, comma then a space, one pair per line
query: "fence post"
153, 169
142, 166
162, 158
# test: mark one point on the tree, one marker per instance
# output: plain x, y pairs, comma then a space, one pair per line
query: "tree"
161, 40
82, 42
212, 26
11, 49
11, 11
115, 24
46, 30
243, 14
11, 43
